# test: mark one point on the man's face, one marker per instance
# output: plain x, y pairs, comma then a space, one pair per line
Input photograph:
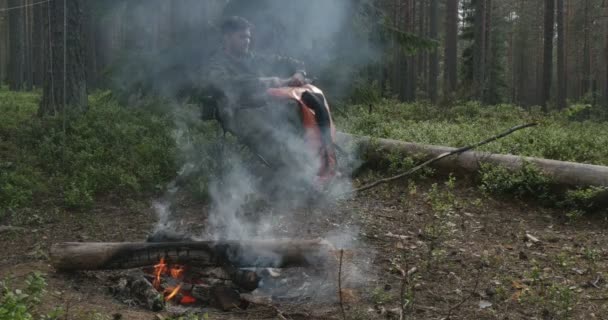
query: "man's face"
238, 42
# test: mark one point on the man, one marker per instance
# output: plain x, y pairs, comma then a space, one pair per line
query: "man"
243, 78
241, 73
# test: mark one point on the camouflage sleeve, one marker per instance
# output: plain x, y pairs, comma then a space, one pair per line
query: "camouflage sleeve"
233, 84
221, 75
240, 90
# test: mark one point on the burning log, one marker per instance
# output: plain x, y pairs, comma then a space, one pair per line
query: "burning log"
74, 256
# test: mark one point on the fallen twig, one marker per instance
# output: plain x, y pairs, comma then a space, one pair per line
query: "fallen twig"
598, 299
441, 156
405, 282
10, 228
340, 284
465, 299
261, 302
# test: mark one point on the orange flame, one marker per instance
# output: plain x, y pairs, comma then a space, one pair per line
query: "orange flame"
173, 293
159, 270
176, 272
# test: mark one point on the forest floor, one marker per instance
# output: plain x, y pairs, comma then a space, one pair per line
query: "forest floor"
476, 257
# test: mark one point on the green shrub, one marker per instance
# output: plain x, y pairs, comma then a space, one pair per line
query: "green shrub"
21, 304
16, 107
583, 199
528, 182
556, 137
110, 150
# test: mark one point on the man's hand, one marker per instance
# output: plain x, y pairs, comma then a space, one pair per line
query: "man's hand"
297, 80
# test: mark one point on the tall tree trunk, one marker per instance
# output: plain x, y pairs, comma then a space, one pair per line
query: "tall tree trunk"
16, 76
586, 70
488, 98
511, 62
413, 66
537, 90
479, 49
4, 47
38, 36
29, 50
548, 53
451, 48
420, 16
65, 87
434, 58
90, 30
561, 54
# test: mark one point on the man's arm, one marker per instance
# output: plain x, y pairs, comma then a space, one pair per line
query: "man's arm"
222, 76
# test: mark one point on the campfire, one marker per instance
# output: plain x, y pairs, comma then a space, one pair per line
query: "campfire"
172, 282
192, 273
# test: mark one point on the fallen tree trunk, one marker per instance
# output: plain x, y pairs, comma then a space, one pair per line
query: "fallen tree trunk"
566, 174
73, 256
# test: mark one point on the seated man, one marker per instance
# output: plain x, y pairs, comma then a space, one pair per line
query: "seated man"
244, 77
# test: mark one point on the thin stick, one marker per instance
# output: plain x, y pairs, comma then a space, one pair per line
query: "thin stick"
441, 156
465, 299
340, 284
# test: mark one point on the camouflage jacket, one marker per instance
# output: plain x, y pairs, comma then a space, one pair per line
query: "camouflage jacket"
239, 78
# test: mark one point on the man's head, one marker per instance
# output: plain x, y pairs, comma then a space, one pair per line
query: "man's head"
236, 32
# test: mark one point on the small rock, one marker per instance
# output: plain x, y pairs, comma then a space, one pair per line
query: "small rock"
532, 238
523, 256
227, 298
579, 271
490, 292
483, 304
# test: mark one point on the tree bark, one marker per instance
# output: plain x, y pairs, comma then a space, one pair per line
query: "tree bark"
39, 32
548, 53
65, 80
434, 58
4, 43
412, 65
606, 59
451, 48
561, 54
246, 254
16, 76
489, 65
28, 77
586, 69
479, 50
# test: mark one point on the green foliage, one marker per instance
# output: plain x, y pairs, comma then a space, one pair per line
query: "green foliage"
110, 150
21, 304
411, 43
555, 138
526, 182
16, 108
583, 199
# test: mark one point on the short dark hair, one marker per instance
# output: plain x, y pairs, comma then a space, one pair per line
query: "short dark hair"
235, 24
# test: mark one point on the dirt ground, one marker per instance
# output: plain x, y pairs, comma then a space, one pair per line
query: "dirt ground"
470, 256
